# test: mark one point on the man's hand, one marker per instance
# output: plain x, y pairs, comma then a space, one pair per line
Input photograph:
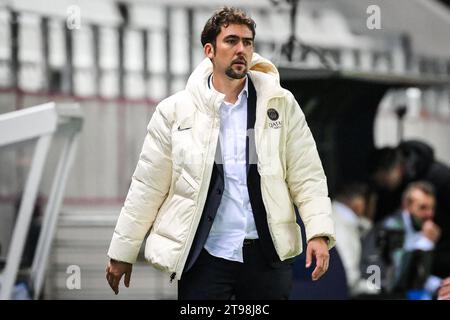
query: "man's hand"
318, 248
114, 271
431, 231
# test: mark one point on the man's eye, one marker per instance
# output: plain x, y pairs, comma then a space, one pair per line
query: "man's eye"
248, 43
231, 41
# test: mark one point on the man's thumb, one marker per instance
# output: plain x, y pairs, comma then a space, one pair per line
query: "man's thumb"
127, 279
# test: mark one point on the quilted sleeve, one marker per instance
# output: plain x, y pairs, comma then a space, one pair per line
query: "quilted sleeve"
148, 190
305, 177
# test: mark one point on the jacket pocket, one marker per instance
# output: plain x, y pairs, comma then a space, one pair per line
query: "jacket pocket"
162, 251
187, 177
175, 217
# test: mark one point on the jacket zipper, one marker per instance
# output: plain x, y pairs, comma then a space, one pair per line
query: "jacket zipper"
183, 257
266, 103
188, 244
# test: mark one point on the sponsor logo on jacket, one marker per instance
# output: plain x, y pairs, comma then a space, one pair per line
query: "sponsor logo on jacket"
273, 115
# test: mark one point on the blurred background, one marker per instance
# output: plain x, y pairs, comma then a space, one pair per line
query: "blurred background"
367, 73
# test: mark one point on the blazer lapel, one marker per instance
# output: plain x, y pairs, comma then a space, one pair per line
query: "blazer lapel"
250, 149
218, 162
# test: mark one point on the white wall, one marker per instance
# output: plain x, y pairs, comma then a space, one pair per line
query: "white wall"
427, 119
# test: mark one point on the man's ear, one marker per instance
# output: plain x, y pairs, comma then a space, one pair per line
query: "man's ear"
209, 50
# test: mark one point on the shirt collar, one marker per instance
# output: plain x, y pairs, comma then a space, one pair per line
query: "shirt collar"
244, 90
407, 221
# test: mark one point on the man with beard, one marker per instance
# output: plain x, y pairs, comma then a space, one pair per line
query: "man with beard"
407, 239
392, 169
223, 165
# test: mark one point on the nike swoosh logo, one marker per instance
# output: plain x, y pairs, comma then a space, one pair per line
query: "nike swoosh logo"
182, 129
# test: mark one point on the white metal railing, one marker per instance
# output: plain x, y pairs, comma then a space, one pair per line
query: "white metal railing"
41, 123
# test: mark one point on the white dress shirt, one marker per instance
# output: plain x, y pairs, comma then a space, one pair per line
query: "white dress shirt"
415, 240
234, 220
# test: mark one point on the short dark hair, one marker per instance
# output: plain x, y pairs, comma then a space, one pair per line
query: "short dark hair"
384, 159
224, 17
350, 190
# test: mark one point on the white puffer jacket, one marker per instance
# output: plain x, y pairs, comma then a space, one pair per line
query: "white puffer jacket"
171, 180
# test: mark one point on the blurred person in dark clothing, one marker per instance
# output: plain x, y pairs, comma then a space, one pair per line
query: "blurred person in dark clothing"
392, 169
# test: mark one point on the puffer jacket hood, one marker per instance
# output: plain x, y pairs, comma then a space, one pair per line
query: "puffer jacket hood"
197, 84
419, 156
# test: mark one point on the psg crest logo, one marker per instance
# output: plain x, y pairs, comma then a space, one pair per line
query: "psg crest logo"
273, 114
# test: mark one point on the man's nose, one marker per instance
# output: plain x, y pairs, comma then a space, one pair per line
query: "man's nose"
240, 47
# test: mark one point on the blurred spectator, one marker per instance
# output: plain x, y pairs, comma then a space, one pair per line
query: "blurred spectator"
406, 240
351, 224
394, 168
